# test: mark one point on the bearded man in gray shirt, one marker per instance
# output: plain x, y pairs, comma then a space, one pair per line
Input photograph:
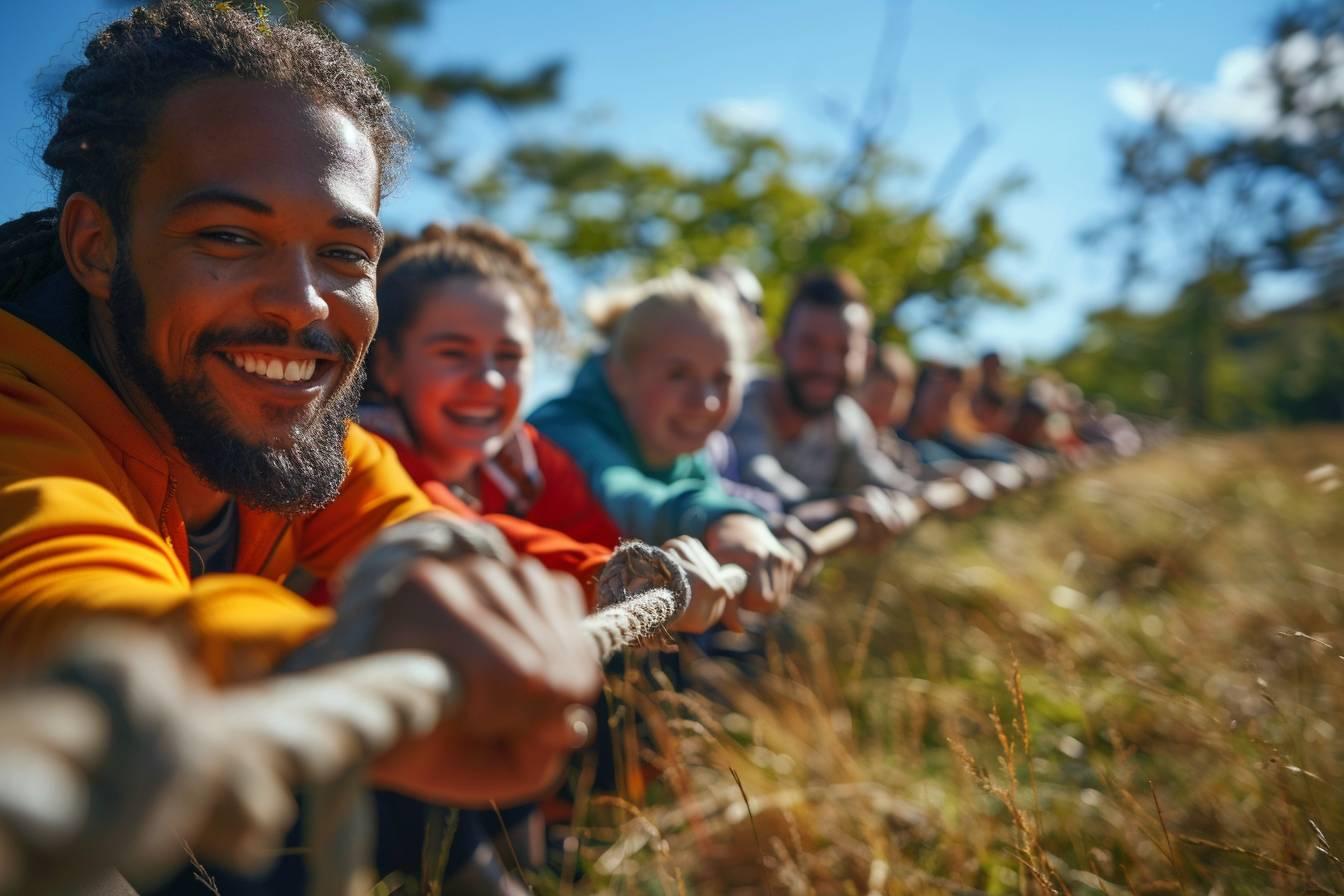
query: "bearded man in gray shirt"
800, 436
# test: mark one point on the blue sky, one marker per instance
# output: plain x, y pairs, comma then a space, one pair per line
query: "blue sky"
1051, 79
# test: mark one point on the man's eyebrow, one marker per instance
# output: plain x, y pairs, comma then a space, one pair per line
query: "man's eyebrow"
352, 220
217, 195
347, 220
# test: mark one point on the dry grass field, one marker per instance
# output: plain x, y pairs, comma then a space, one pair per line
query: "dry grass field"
1129, 681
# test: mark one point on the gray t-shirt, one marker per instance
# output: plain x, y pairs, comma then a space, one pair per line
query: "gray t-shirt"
214, 549
835, 453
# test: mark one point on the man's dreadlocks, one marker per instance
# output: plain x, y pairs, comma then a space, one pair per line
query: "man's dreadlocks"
105, 108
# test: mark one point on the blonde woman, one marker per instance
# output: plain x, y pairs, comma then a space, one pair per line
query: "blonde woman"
639, 414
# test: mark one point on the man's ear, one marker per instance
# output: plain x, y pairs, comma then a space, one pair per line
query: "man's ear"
89, 244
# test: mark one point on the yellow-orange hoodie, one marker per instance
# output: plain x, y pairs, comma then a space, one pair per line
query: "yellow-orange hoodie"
89, 525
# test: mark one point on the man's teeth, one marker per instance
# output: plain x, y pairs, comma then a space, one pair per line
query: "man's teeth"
271, 368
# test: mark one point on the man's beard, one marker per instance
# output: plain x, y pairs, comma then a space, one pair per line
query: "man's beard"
294, 479
793, 388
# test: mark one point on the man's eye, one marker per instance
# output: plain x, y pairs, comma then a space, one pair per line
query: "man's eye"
354, 256
228, 237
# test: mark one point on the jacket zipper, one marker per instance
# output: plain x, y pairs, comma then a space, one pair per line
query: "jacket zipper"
275, 546
168, 498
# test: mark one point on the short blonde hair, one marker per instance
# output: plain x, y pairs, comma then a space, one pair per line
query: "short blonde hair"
626, 316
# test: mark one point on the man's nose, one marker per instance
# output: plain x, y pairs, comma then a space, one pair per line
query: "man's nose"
291, 295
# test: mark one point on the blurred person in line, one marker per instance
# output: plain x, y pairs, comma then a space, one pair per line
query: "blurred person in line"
637, 417
1097, 423
1029, 422
744, 290
990, 411
636, 420
1044, 419
930, 414
461, 310
976, 419
802, 437
1064, 418
990, 401
991, 375
993, 412
886, 395
182, 341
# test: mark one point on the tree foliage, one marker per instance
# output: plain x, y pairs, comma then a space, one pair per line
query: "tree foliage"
1216, 210
428, 91
766, 203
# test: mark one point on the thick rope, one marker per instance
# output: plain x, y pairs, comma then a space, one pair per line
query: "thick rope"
126, 729
641, 589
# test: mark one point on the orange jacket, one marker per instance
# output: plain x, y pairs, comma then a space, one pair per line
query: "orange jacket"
88, 524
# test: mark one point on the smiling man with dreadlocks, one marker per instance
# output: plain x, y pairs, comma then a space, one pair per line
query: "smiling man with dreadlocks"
181, 344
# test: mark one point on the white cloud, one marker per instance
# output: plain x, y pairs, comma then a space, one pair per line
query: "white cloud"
1241, 96
758, 114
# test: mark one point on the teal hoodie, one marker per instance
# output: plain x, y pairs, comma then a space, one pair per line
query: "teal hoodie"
646, 503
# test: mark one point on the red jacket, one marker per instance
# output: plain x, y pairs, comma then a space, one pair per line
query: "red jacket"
563, 502
557, 550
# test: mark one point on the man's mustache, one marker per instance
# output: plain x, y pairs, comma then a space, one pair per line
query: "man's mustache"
310, 338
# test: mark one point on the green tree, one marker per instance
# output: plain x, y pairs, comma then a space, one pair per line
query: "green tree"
1215, 211
774, 206
766, 203
427, 91
777, 207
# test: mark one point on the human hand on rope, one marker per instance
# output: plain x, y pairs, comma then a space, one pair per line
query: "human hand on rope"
712, 591
771, 568
698, 588
513, 636
510, 631
880, 515
219, 767
944, 495
113, 755
978, 483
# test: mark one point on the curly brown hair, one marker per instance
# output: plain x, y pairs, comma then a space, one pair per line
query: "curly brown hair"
105, 107
473, 250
